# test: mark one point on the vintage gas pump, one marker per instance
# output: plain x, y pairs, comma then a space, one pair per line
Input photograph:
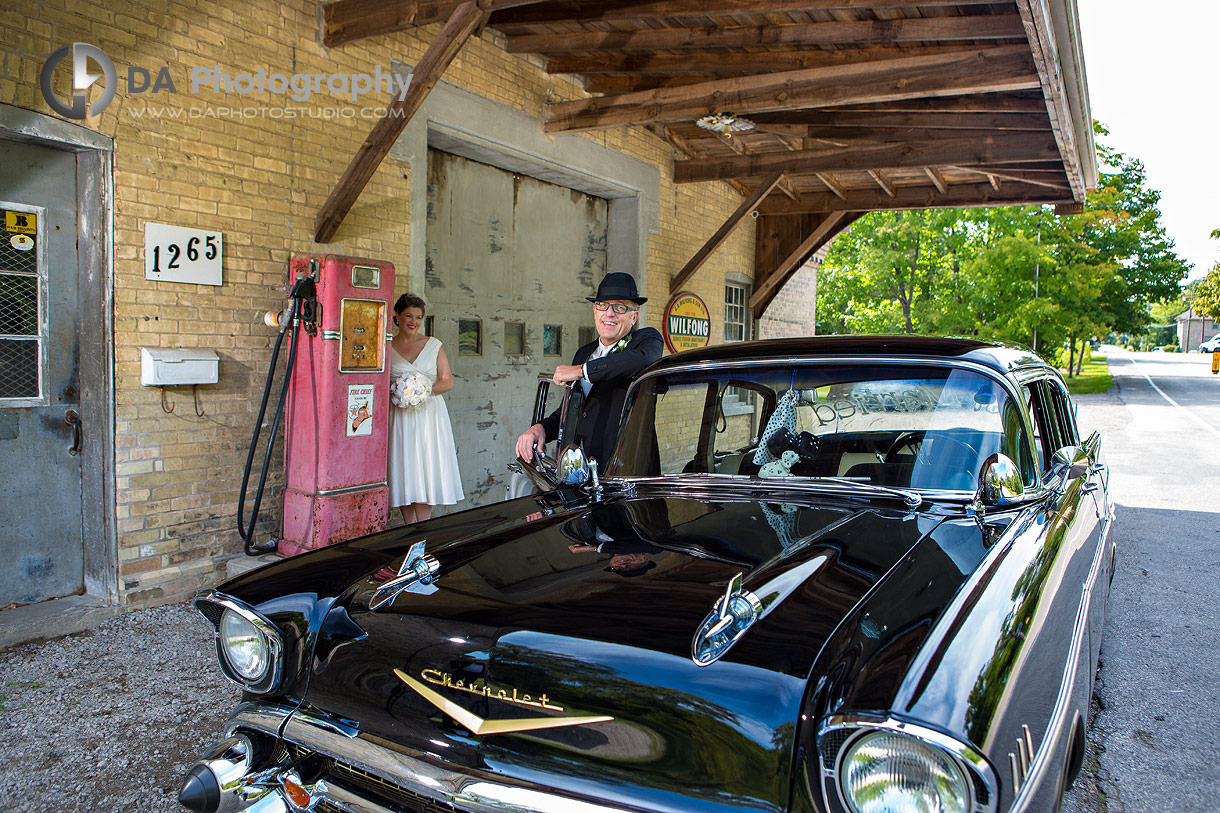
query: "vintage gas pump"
336, 394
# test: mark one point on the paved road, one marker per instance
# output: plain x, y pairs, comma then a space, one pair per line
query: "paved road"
1154, 741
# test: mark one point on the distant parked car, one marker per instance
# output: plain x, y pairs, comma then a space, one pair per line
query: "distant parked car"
826, 575
1212, 345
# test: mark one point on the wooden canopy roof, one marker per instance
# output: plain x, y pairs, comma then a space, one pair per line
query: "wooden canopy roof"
856, 105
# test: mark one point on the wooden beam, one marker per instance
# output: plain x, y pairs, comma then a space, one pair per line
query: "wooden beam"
574, 11
702, 65
937, 179
349, 20
856, 32
883, 182
465, 20
726, 228
1035, 17
828, 228
829, 119
914, 197
987, 71
1016, 175
788, 187
961, 152
833, 184
686, 148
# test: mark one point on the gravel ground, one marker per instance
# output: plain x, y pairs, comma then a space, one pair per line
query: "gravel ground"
110, 719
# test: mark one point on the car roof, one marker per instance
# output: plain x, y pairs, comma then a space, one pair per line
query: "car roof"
1002, 357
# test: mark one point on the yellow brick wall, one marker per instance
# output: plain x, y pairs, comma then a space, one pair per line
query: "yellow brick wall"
261, 182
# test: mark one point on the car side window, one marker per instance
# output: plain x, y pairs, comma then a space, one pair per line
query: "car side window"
1055, 395
1031, 402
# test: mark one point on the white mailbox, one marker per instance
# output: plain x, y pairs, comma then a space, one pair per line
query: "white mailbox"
171, 367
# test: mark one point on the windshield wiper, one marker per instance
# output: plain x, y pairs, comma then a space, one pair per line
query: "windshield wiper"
832, 485
912, 498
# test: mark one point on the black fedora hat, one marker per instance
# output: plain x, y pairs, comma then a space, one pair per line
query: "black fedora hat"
618, 285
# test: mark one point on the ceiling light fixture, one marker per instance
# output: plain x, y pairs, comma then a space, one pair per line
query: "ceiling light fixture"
725, 123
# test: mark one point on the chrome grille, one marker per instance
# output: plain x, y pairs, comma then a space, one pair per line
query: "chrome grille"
365, 783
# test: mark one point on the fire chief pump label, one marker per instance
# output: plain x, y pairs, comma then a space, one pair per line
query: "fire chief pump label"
359, 410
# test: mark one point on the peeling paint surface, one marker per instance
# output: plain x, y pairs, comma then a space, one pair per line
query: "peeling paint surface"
504, 248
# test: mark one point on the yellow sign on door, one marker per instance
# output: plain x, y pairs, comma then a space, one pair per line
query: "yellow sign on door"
25, 222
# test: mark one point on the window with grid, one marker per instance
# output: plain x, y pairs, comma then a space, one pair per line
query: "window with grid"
736, 314
20, 291
736, 329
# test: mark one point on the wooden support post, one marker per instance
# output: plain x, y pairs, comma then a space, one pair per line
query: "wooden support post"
723, 232
465, 20
829, 227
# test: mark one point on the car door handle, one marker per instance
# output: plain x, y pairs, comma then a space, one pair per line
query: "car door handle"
72, 418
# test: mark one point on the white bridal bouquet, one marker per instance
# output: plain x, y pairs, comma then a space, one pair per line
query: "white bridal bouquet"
410, 391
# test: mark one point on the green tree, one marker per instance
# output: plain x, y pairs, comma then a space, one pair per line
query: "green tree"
1021, 274
1206, 294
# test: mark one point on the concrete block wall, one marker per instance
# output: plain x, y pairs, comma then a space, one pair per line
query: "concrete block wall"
261, 179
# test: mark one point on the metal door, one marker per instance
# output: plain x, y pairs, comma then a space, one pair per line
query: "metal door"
41, 544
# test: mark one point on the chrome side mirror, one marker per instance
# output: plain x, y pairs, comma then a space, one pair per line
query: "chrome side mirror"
1001, 482
573, 466
1075, 458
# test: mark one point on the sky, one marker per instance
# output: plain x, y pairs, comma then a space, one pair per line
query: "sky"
1152, 78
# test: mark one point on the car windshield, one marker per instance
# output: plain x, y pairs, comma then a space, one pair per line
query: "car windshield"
905, 426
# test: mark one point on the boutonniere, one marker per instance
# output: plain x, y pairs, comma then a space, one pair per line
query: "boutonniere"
619, 345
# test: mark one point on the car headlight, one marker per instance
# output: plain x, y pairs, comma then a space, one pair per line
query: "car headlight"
250, 646
244, 647
888, 772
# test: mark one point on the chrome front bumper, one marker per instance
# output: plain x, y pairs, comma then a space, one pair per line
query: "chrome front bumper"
359, 776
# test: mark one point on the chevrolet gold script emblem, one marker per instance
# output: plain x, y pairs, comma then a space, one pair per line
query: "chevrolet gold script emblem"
478, 726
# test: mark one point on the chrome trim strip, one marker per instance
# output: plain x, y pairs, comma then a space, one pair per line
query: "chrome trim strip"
330, 335
466, 789
350, 489
275, 643
1040, 764
969, 760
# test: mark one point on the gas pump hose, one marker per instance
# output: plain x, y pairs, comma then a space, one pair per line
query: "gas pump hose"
247, 534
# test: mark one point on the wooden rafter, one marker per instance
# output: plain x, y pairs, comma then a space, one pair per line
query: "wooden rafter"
986, 71
1044, 50
1016, 175
1008, 148
917, 29
466, 19
886, 185
607, 10
700, 65
937, 179
349, 20
833, 184
748, 205
914, 197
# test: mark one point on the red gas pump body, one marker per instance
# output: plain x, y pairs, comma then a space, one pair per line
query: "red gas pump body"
335, 423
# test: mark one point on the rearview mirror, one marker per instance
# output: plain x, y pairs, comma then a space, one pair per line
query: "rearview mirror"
573, 466
1001, 483
1075, 458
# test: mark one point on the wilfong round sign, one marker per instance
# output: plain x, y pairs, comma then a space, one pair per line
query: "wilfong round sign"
687, 323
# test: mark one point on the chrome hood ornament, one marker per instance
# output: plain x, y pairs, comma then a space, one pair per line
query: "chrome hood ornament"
414, 576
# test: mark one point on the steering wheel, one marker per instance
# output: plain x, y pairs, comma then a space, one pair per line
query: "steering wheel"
913, 439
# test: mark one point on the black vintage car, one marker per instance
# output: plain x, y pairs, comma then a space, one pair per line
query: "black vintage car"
832, 574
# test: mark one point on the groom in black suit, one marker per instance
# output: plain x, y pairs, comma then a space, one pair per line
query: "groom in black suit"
605, 367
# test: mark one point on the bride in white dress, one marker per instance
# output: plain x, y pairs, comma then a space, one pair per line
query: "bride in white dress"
422, 467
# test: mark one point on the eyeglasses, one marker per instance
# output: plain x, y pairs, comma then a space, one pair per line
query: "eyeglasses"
619, 309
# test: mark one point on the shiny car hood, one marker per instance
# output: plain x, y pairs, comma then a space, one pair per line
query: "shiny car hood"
532, 622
